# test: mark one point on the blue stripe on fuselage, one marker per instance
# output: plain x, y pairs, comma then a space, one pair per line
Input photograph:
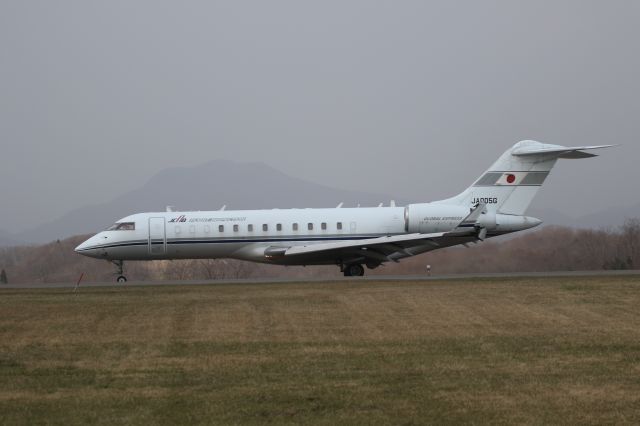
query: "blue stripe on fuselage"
233, 240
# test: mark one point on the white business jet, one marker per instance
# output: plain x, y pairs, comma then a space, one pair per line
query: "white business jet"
348, 237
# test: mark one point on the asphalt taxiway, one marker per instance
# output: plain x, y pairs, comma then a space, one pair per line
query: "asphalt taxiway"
368, 278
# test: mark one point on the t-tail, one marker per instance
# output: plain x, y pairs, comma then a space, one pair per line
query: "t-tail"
511, 183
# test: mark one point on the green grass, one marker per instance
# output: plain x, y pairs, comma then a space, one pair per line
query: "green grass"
528, 351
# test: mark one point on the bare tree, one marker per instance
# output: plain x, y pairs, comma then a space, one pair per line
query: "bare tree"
546, 249
630, 241
180, 269
214, 269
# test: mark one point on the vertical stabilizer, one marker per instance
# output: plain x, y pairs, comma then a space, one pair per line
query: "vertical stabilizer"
511, 183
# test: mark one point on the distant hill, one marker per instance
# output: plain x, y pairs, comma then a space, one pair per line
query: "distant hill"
608, 218
7, 240
552, 217
205, 187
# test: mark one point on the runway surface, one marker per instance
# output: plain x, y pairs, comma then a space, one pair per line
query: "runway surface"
369, 278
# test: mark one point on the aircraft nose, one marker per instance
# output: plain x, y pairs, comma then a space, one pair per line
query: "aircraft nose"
89, 247
83, 246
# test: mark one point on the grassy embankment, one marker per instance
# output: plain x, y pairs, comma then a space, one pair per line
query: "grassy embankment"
555, 350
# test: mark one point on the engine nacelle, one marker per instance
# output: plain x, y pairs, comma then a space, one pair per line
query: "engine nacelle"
488, 220
428, 218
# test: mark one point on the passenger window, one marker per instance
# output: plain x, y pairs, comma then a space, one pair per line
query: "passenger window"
310, 226
295, 226
235, 228
250, 228
323, 226
265, 227
207, 229
221, 228
339, 226
279, 227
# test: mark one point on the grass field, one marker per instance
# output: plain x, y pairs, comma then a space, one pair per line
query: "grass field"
500, 351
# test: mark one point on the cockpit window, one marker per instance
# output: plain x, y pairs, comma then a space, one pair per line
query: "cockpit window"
122, 226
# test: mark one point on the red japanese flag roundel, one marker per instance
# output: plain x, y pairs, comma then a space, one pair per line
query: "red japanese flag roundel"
511, 178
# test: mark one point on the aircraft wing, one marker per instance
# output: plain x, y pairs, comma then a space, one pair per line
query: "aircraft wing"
387, 248
378, 249
398, 241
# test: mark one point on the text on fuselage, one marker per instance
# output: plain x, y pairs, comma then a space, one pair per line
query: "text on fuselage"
485, 200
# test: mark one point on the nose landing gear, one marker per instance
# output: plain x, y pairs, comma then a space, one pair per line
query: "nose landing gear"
120, 265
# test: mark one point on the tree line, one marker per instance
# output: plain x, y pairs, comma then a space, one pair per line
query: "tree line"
548, 249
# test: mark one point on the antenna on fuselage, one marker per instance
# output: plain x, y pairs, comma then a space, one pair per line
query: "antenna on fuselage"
223, 207
380, 205
170, 209
392, 203
339, 206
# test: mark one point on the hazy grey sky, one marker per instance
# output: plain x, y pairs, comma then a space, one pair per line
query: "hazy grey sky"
413, 98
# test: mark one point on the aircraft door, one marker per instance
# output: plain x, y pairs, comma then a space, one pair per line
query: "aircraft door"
157, 236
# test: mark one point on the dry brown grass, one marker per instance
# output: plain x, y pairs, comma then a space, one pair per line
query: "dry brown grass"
556, 350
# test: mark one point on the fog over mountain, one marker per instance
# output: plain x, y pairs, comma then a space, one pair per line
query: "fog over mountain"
205, 187
608, 218
245, 186
7, 239
412, 98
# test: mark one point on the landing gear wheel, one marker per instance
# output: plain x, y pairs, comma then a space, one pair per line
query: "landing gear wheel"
354, 270
120, 273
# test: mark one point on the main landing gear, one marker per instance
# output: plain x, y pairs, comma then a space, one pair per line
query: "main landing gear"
120, 265
353, 270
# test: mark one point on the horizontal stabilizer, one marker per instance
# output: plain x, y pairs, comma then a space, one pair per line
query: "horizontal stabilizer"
558, 151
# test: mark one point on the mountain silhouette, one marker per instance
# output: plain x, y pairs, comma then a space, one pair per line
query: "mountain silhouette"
205, 187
